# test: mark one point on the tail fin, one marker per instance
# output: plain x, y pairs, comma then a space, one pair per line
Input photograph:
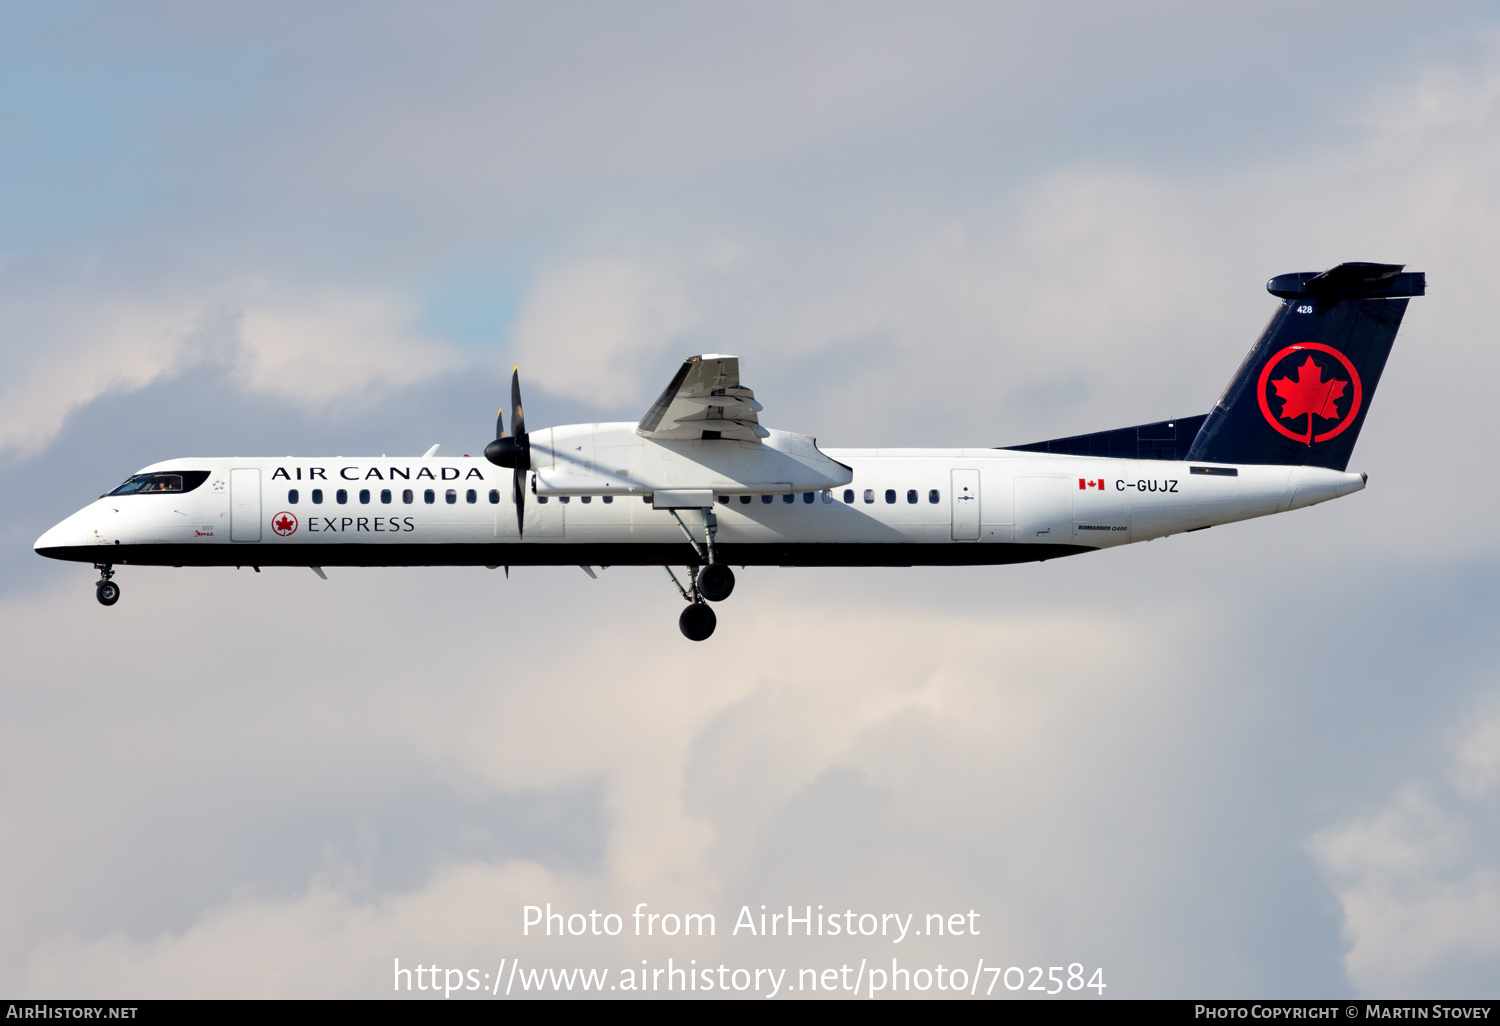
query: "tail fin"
1301, 395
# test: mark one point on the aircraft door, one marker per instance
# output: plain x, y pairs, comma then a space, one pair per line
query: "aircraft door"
244, 505
1044, 510
965, 505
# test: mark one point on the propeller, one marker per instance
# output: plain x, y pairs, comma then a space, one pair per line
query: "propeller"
513, 451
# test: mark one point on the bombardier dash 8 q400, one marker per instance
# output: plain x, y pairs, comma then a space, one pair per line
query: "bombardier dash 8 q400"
699, 483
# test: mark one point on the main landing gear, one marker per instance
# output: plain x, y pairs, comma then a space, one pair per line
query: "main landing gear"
698, 620
106, 590
708, 583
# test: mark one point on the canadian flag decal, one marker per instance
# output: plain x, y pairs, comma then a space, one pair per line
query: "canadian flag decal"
1084, 483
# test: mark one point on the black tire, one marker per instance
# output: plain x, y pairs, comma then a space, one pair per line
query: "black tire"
715, 582
697, 622
107, 592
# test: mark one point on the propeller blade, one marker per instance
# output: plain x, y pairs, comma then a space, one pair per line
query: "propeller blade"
514, 451
517, 415
518, 485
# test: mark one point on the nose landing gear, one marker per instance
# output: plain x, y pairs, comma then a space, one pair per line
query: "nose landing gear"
106, 590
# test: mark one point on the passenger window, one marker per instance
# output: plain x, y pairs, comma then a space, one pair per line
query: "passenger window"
911, 496
471, 496
765, 499
565, 498
451, 496
744, 500
408, 496
318, 496
364, 496
723, 500
587, 498
788, 498
890, 495
494, 496
291, 497
542, 499
342, 496
933, 497
609, 498
807, 497
385, 496
849, 495
869, 495
429, 496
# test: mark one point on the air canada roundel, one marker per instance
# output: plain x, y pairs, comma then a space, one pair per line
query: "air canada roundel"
284, 524
1309, 392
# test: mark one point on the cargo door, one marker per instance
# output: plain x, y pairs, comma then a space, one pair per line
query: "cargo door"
965, 505
244, 505
1044, 510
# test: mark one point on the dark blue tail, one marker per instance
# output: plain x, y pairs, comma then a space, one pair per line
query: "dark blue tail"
1301, 395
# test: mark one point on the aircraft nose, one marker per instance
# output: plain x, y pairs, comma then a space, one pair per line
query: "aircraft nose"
61, 538
54, 537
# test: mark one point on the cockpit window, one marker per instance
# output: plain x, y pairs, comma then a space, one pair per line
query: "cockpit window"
167, 481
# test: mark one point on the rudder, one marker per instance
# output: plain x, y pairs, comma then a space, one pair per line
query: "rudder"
1301, 395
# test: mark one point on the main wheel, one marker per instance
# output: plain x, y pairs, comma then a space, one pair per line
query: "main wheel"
715, 582
108, 593
697, 622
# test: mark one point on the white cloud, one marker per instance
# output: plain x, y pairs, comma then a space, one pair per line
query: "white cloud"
315, 347
76, 355
334, 346
968, 723
592, 330
322, 942
1419, 880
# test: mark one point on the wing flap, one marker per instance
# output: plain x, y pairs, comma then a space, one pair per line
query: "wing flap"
705, 400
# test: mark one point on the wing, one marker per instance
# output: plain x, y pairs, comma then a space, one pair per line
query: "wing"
705, 400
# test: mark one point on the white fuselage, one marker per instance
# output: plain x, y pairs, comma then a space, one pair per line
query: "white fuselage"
909, 507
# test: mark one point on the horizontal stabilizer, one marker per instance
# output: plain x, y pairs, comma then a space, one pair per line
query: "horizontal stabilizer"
1350, 281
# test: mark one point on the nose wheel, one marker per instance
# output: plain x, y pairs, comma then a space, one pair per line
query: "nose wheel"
106, 590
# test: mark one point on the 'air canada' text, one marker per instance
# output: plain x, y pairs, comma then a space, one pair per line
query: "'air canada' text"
389, 474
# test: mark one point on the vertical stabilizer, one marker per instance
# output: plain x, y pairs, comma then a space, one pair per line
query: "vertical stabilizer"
1302, 393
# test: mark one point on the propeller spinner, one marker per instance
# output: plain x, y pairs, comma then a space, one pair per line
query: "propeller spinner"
514, 451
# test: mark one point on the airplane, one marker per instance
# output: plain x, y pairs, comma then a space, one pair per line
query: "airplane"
700, 483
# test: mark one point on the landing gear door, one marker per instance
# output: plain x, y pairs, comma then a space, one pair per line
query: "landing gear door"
965, 505
244, 505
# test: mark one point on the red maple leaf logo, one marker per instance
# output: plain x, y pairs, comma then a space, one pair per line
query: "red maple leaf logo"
284, 524
1309, 394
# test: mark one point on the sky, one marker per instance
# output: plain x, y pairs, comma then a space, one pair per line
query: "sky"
1259, 761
